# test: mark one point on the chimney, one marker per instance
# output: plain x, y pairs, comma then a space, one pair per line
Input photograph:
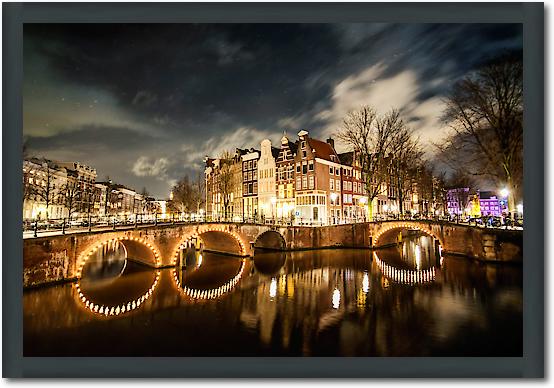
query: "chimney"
331, 142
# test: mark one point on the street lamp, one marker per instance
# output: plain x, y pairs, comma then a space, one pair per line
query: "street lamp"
504, 192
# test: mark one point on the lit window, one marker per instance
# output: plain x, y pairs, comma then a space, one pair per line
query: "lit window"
332, 184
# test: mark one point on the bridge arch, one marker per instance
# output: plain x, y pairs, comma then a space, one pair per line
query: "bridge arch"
387, 227
212, 238
270, 239
136, 248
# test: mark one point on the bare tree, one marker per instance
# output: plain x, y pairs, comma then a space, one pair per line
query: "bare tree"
376, 140
408, 156
44, 189
70, 194
200, 191
485, 113
182, 196
225, 180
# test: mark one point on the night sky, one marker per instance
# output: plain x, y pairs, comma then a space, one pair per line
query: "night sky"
144, 103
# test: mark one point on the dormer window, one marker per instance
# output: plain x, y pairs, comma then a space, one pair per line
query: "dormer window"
303, 144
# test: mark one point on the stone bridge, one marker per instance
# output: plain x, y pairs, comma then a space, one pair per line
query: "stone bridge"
56, 258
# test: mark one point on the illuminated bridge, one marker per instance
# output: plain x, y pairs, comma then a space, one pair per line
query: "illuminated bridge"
53, 258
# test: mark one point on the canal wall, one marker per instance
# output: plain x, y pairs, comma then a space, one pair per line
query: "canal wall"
61, 257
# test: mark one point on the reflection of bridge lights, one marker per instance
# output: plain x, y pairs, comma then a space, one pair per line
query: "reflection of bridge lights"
406, 276
336, 298
418, 256
119, 309
93, 250
199, 261
211, 293
365, 283
273, 288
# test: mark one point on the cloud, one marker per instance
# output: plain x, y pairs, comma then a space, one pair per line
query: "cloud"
399, 92
242, 137
145, 166
144, 98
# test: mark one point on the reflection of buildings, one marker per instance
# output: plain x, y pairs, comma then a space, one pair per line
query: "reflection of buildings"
315, 299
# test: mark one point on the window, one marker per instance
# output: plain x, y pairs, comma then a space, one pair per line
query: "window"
298, 183
298, 167
311, 165
331, 170
255, 175
332, 184
337, 185
304, 154
245, 176
337, 171
304, 182
311, 181
304, 168
303, 144
255, 164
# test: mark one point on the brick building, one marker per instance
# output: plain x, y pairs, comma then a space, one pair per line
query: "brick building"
285, 179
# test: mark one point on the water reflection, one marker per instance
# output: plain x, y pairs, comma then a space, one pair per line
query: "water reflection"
413, 261
213, 280
109, 285
320, 303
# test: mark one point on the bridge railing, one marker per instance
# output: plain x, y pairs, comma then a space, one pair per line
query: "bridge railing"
34, 228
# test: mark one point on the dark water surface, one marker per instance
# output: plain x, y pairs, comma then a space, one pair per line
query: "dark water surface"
400, 301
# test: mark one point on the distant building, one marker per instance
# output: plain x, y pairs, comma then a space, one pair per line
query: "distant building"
490, 204
354, 198
318, 182
458, 200
250, 183
54, 189
284, 179
266, 180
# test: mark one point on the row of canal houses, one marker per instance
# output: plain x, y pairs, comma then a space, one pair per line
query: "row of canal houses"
305, 181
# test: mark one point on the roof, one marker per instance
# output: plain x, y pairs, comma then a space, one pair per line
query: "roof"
487, 194
323, 150
347, 158
275, 152
293, 146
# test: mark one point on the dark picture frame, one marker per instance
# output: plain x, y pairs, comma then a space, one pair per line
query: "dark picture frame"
531, 365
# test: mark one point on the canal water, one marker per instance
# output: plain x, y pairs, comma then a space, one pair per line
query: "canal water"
406, 300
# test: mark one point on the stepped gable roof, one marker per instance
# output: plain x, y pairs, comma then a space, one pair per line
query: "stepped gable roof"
293, 145
323, 150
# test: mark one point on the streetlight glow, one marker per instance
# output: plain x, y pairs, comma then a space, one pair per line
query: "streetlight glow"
504, 192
